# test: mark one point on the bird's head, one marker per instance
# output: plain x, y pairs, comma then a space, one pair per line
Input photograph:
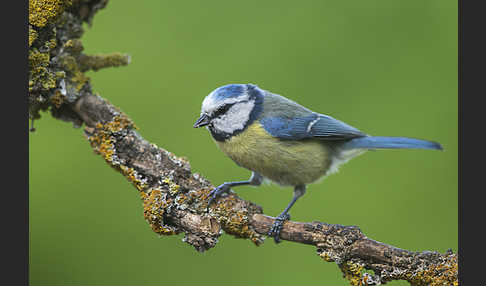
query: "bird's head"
229, 109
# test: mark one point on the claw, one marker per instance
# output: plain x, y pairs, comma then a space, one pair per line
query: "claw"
216, 193
277, 227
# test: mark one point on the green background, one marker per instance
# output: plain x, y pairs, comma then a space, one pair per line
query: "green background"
386, 67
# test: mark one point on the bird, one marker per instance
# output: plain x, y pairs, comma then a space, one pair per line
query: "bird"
282, 141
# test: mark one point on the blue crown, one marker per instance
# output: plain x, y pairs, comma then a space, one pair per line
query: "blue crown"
231, 90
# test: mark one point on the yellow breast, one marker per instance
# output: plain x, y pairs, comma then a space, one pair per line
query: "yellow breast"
283, 161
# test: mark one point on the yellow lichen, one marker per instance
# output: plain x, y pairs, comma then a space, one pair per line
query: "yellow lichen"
119, 123
32, 35
181, 199
103, 142
38, 70
233, 221
173, 187
69, 64
38, 59
42, 77
153, 211
57, 99
437, 275
353, 272
79, 79
443, 274
42, 12
326, 257
131, 175
74, 46
60, 74
51, 44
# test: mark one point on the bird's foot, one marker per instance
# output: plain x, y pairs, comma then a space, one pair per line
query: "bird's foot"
277, 227
216, 193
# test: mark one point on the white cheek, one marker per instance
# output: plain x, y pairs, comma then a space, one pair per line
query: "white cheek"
235, 118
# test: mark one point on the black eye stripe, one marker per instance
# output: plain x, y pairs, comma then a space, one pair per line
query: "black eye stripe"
222, 109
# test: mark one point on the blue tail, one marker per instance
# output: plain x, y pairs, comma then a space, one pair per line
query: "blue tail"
377, 142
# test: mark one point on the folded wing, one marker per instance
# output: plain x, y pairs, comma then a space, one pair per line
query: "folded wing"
313, 125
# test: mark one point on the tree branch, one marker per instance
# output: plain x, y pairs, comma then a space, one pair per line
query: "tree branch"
175, 201
174, 198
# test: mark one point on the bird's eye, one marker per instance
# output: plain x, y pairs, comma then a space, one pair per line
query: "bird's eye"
222, 109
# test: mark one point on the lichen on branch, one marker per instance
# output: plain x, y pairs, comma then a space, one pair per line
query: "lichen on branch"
99, 61
43, 12
174, 199
56, 61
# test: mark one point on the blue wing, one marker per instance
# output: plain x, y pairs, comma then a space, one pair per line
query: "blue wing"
312, 126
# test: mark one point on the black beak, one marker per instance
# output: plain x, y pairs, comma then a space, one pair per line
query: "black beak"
202, 121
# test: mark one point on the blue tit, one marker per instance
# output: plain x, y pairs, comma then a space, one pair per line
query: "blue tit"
279, 139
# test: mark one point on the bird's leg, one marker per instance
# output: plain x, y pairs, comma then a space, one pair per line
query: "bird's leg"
255, 180
299, 191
